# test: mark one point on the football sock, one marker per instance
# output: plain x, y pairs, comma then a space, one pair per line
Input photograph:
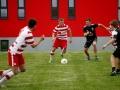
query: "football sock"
6, 71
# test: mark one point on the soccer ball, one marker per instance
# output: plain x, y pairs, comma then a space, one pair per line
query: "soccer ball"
64, 61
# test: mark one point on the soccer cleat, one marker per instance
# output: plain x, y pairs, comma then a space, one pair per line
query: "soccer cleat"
88, 57
113, 73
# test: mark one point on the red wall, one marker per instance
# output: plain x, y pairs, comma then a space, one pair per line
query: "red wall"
101, 11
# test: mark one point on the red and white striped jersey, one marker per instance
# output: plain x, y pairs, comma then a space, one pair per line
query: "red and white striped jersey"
61, 31
25, 38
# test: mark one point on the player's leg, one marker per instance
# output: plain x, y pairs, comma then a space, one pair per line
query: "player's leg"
115, 61
63, 47
117, 65
113, 64
86, 47
63, 52
86, 53
21, 63
95, 48
13, 59
52, 52
22, 68
8, 75
117, 56
4, 72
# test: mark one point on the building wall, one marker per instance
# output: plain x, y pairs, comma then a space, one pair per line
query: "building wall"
101, 11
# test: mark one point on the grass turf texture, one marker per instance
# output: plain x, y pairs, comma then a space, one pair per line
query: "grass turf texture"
78, 74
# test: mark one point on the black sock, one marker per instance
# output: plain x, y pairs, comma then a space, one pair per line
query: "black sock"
118, 70
113, 69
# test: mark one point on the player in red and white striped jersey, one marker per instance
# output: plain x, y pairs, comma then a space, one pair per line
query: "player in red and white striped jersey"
60, 36
15, 57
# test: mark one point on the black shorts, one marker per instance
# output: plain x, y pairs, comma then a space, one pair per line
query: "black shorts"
89, 42
116, 53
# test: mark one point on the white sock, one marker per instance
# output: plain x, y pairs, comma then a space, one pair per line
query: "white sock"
6, 71
6, 77
10, 74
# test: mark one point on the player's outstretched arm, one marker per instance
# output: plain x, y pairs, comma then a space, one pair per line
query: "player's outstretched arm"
35, 44
108, 43
101, 25
105, 27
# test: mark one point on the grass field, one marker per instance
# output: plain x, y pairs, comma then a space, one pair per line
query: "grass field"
78, 74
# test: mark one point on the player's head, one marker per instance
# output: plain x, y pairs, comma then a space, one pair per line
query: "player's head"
61, 21
114, 24
32, 23
88, 21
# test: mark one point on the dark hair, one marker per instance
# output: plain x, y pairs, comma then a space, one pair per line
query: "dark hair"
114, 23
88, 19
60, 19
32, 23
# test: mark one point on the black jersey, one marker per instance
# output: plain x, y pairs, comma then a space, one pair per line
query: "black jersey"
117, 37
91, 29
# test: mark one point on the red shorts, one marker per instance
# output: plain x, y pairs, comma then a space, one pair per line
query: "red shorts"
15, 60
60, 43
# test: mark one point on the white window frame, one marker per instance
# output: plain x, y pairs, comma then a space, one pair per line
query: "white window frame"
54, 9
3, 9
21, 9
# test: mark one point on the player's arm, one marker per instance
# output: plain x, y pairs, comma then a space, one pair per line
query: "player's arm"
112, 40
70, 34
54, 33
107, 28
53, 36
101, 25
35, 44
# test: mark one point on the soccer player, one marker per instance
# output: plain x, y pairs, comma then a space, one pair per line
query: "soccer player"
59, 37
15, 57
115, 57
91, 37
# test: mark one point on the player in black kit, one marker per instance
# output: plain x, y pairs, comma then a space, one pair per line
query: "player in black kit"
91, 37
115, 57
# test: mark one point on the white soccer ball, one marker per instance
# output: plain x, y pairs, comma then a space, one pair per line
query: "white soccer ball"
64, 61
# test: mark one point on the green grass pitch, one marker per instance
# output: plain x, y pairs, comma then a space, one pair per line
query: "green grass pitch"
78, 74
